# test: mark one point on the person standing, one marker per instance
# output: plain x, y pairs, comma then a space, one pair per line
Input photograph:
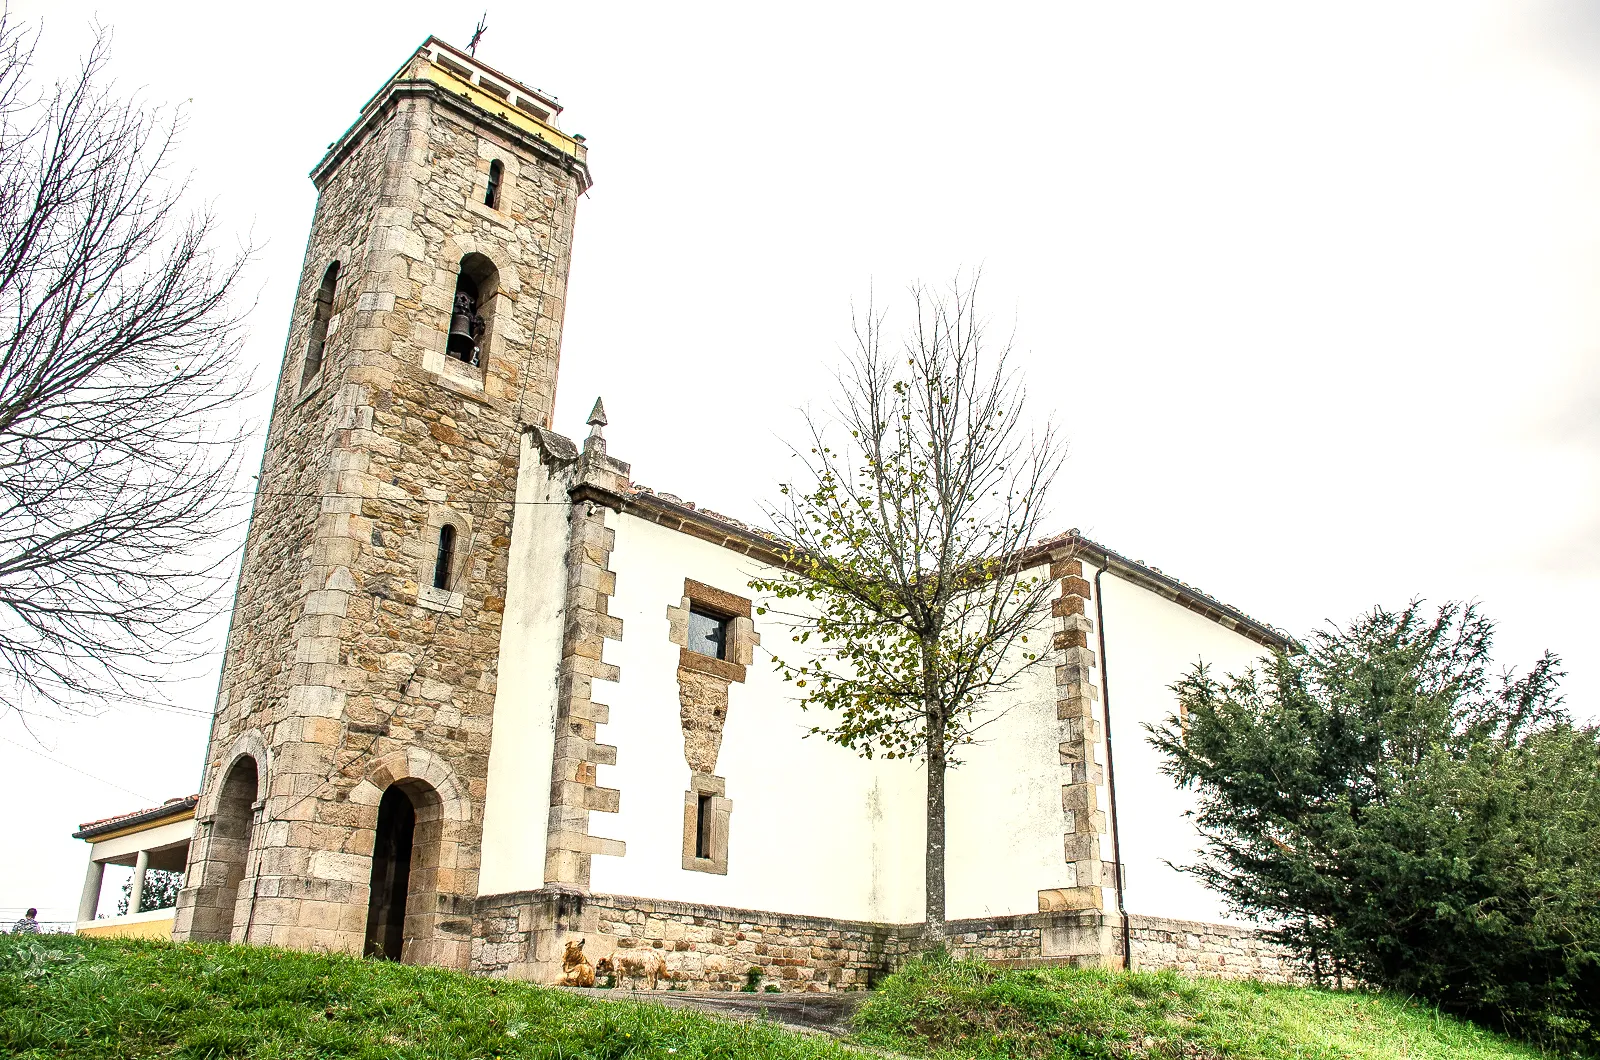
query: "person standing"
28, 925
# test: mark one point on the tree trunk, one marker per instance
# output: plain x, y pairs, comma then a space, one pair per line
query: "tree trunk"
935, 852
934, 865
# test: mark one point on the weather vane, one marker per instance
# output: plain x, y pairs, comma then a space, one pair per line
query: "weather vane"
477, 35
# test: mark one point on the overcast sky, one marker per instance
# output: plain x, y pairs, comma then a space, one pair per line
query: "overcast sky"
1312, 287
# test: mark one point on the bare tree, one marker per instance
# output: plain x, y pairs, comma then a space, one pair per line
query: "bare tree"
118, 366
906, 545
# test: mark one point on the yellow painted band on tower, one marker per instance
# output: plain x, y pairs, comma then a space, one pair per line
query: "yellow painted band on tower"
493, 104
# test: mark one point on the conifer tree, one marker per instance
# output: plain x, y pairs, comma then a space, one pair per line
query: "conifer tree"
1401, 816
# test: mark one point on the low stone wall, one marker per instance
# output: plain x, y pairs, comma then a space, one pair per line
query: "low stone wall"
1197, 948
707, 947
703, 947
713, 948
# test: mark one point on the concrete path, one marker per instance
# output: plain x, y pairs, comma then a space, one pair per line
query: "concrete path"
811, 1013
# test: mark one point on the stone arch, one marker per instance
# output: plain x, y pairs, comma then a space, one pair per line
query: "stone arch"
414, 764
440, 878
251, 744
227, 822
463, 244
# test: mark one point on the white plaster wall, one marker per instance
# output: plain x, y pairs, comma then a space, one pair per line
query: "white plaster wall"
517, 804
1004, 819
810, 821
1150, 642
814, 828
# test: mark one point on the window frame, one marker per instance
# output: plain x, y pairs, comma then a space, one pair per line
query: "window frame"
495, 189
444, 557
722, 623
321, 323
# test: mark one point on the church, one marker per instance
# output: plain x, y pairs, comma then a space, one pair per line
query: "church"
483, 695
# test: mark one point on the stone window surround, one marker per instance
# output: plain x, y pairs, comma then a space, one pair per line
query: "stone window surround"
742, 637
721, 809
308, 385
495, 151
701, 677
459, 376
429, 598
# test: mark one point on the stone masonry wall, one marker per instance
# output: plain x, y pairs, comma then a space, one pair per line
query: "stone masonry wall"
707, 947
259, 665
703, 947
354, 671
1220, 950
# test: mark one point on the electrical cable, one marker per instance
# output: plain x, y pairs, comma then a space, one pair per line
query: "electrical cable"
75, 769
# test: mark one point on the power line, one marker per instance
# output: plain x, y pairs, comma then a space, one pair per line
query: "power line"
75, 769
154, 704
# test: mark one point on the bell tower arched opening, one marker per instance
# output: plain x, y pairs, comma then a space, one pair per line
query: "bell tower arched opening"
472, 315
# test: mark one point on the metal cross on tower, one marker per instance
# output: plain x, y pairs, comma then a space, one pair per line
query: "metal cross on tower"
477, 35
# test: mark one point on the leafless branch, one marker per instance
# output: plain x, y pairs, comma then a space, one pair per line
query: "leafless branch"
119, 368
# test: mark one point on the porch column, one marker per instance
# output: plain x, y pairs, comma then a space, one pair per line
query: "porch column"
90, 902
139, 868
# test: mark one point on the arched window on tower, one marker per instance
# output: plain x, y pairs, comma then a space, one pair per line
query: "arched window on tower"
321, 315
472, 315
491, 197
445, 558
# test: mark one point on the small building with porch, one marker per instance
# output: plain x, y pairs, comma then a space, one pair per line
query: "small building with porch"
153, 839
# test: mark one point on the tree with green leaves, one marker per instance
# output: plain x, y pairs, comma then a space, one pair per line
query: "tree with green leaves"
1401, 816
161, 887
903, 586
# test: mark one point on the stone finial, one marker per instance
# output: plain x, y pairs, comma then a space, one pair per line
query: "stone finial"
596, 442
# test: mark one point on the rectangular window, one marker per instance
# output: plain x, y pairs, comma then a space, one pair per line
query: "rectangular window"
702, 827
708, 634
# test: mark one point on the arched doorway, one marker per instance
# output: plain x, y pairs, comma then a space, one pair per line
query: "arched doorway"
227, 853
391, 875
430, 898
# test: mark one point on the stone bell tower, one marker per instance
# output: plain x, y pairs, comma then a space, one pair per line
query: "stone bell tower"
342, 801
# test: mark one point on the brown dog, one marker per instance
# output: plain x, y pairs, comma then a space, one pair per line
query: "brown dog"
575, 967
650, 967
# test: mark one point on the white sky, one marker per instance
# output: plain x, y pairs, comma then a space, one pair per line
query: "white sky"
1312, 287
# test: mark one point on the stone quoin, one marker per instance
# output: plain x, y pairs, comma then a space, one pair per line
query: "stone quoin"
484, 695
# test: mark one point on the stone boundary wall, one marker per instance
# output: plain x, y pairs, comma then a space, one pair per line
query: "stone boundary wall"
1221, 950
704, 947
708, 947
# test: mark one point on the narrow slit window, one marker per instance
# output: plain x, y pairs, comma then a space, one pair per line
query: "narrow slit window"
442, 562
708, 634
321, 315
702, 827
491, 197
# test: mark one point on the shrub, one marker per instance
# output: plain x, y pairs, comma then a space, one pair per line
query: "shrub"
1401, 818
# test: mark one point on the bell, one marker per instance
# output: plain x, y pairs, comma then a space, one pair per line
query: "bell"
460, 342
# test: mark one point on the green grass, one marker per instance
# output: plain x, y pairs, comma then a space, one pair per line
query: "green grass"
944, 1008
63, 996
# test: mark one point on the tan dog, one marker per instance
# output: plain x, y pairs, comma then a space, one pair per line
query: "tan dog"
575, 967
605, 967
650, 967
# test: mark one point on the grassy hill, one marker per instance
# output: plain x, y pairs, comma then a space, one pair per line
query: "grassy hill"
62, 996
